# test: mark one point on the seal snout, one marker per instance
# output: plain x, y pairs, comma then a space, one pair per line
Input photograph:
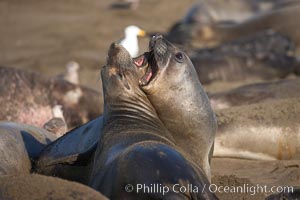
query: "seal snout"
118, 55
158, 45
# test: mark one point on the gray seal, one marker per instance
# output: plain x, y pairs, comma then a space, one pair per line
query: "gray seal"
172, 85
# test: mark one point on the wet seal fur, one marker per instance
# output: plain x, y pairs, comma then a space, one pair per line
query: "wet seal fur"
170, 81
135, 147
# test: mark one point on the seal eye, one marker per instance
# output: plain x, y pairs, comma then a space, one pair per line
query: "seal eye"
179, 56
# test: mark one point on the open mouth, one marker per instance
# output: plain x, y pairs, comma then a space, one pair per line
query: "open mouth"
147, 67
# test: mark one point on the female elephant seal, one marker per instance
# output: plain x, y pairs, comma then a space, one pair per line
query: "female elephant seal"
172, 86
34, 187
256, 93
261, 131
135, 147
20, 146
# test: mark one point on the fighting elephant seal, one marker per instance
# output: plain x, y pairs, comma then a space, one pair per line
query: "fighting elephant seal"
135, 147
171, 84
20, 146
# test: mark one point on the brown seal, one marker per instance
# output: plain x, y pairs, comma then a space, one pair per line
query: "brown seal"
261, 56
256, 93
135, 147
264, 131
28, 187
20, 146
207, 33
171, 84
79, 103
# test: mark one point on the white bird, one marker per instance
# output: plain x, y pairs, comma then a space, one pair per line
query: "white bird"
130, 42
71, 73
57, 124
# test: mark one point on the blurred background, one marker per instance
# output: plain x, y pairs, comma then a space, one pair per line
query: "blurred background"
45, 35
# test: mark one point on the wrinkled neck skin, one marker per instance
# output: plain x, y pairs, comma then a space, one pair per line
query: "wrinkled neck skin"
131, 112
185, 110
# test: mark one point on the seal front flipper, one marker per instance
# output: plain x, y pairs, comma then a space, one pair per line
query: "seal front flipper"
73, 149
20, 146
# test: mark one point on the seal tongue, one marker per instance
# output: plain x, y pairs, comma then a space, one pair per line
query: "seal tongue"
139, 61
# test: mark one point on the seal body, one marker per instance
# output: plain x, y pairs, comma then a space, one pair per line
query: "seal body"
20, 146
261, 56
264, 131
256, 93
180, 101
35, 186
79, 103
208, 33
135, 147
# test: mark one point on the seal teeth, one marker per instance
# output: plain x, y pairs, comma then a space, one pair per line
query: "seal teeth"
146, 78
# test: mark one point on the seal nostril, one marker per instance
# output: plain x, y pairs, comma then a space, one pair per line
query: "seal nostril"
157, 37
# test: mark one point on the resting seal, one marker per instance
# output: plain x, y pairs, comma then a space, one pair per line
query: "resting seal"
172, 86
79, 103
256, 93
20, 146
135, 147
263, 131
28, 187
261, 56
201, 35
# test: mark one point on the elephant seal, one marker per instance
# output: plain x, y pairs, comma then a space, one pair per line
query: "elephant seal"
80, 103
171, 84
256, 93
33, 186
262, 131
20, 146
290, 195
135, 147
262, 56
211, 34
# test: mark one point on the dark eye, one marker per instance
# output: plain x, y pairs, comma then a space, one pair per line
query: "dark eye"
179, 56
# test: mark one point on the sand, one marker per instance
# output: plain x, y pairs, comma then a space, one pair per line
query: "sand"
43, 36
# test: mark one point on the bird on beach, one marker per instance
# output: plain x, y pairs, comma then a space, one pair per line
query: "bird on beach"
57, 124
71, 73
130, 42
